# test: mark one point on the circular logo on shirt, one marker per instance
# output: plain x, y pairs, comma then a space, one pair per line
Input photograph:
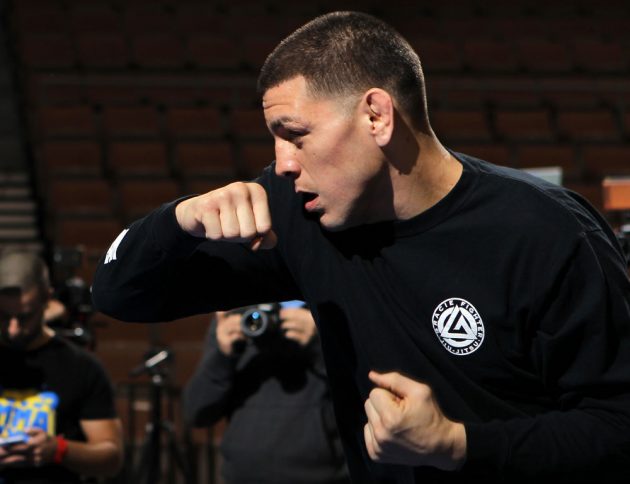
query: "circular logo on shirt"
458, 326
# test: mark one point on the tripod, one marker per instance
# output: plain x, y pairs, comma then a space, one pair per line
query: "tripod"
149, 470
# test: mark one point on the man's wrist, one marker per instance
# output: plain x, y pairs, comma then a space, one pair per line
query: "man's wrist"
458, 445
61, 450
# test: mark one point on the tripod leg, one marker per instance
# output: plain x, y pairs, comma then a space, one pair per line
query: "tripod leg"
176, 453
148, 470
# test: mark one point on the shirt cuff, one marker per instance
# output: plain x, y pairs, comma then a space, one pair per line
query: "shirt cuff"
167, 233
487, 448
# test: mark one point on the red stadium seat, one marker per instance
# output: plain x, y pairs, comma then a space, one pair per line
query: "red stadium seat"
595, 55
138, 158
158, 50
460, 126
47, 50
536, 155
255, 157
131, 122
103, 50
438, 55
216, 159
213, 51
601, 161
543, 55
526, 125
79, 196
489, 56
138, 197
499, 154
194, 122
595, 125
70, 157
61, 121
93, 17
248, 123
95, 234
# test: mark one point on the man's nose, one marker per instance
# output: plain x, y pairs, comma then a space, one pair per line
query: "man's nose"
14, 327
286, 162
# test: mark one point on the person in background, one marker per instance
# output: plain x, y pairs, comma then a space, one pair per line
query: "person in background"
57, 415
269, 381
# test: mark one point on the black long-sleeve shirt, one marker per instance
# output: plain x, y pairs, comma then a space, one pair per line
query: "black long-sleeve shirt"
509, 297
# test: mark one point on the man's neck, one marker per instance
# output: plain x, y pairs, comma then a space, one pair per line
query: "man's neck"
44, 337
433, 176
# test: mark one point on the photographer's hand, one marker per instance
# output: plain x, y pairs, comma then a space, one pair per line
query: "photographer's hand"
238, 212
228, 332
55, 311
298, 325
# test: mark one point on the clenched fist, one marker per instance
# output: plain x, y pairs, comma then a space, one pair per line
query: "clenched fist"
406, 426
238, 212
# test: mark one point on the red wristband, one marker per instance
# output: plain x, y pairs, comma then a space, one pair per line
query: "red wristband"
61, 451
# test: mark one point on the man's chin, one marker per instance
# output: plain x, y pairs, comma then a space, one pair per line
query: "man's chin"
337, 225
331, 225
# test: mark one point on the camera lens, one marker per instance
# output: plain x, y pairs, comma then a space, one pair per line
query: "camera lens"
254, 322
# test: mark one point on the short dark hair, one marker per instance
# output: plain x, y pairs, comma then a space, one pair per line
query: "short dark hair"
344, 53
23, 271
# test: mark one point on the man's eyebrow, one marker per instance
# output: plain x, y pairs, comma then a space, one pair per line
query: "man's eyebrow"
280, 122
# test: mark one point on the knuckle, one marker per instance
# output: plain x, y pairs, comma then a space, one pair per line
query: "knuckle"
213, 234
220, 197
248, 232
238, 190
390, 421
387, 421
381, 435
424, 392
263, 226
230, 232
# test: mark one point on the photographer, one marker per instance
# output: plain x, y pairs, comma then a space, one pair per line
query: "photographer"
272, 388
57, 416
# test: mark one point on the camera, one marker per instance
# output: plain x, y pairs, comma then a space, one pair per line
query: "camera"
261, 319
74, 293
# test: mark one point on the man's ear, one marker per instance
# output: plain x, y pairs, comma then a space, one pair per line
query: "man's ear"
379, 107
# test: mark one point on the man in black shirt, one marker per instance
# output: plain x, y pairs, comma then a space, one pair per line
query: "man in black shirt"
475, 321
57, 416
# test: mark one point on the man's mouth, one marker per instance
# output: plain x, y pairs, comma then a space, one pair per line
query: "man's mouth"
310, 201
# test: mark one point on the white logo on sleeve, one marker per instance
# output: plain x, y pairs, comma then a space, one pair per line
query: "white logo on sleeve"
111, 252
458, 326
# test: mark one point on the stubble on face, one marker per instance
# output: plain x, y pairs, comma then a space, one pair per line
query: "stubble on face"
334, 163
28, 308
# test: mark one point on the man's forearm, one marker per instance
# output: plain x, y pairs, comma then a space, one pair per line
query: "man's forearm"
102, 459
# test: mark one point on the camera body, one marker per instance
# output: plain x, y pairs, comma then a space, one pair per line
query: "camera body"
261, 319
74, 293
